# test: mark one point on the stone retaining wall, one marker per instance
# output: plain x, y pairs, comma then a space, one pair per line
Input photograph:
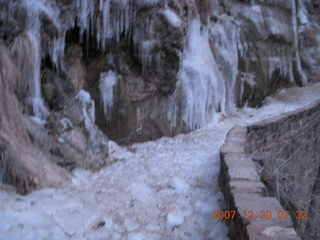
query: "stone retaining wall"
273, 161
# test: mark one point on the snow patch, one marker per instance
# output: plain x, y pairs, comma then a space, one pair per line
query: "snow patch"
130, 225
275, 231
175, 218
137, 236
219, 231
180, 185
153, 226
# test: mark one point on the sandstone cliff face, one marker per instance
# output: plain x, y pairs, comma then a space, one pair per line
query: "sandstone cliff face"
151, 67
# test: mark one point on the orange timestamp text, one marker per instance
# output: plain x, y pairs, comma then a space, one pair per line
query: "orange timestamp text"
259, 215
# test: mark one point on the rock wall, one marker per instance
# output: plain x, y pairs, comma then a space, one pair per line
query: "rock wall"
284, 153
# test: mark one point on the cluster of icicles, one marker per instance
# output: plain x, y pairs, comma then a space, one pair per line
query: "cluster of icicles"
201, 84
93, 19
206, 80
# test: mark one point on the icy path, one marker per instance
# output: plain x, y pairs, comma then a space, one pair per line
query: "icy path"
165, 189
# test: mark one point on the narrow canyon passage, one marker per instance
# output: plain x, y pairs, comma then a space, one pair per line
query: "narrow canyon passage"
163, 189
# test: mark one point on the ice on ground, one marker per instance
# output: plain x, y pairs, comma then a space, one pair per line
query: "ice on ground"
137, 236
175, 218
164, 189
180, 185
130, 225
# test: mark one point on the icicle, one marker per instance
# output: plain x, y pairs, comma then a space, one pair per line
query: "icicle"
83, 18
277, 64
139, 120
57, 51
302, 77
88, 112
108, 80
302, 14
34, 36
149, 54
105, 27
229, 45
172, 113
200, 82
104, 7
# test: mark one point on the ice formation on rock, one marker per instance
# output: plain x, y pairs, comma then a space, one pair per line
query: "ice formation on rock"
208, 66
207, 80
104, 27
200, 78
88, 112
33, 28
149, 55
172, 17
39, 109
108, 81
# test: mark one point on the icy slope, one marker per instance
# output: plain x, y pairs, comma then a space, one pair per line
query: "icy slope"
165, 189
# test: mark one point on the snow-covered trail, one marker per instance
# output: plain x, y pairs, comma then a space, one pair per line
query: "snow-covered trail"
164, 189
